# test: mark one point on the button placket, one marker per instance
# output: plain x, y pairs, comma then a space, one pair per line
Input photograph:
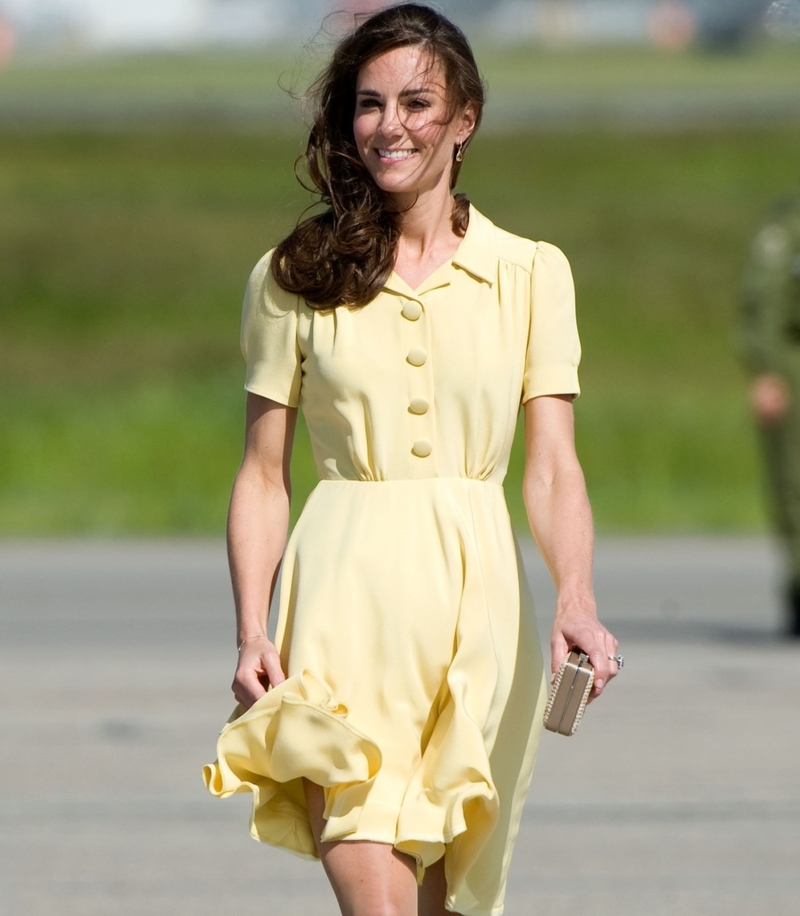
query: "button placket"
416, 333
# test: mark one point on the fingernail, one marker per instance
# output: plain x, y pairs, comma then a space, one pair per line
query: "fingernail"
599, 685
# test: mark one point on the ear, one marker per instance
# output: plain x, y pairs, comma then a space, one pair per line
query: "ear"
466, 122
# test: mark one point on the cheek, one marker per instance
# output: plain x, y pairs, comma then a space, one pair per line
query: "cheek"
432, 135
422, 124
363, 128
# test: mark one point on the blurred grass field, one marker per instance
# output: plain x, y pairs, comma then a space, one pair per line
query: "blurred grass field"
124, 253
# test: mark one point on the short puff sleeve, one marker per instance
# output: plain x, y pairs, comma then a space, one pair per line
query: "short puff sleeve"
269, 337
554, 349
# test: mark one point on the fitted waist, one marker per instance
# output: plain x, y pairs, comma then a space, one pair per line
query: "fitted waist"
419, 496
440, 501
410, 482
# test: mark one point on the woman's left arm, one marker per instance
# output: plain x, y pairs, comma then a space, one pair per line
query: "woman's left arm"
558, 510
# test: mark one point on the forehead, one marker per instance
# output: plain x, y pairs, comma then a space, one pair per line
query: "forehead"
401, 67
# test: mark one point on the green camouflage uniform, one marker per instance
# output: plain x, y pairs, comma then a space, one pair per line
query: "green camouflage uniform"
770, 343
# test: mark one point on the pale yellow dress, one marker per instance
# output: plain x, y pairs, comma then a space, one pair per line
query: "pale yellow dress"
415, 683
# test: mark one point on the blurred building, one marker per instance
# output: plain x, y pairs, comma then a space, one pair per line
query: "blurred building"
669, 23
122, 24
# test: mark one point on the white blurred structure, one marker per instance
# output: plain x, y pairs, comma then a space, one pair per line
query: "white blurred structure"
138, 24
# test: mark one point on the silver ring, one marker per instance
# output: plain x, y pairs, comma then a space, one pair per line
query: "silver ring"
619, 659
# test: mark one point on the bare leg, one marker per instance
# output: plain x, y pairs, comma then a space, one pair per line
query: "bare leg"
433, 892
369, 879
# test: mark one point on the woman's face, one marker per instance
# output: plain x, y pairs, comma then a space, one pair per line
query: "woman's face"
403, 126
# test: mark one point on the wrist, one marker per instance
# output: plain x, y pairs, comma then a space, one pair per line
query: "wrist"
580, 605
243, 640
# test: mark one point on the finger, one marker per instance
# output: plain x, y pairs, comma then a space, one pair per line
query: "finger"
242, 700
272, 666
558, 651
247, 688
602, 669
613, 649
607, 665
612, 644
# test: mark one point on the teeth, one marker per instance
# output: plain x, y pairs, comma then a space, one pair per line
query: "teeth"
396, 153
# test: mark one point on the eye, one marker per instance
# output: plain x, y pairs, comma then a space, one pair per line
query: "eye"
366, 104
417, 104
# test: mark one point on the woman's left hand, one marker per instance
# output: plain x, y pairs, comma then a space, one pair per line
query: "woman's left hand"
580, 629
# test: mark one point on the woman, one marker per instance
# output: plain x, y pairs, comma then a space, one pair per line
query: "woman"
407, 688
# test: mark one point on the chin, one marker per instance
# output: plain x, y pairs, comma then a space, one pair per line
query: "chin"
395, 187
398, 187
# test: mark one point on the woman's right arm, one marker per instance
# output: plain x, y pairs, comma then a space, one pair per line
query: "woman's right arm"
258, 521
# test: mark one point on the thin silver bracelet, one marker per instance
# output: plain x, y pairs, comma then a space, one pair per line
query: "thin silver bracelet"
260, 636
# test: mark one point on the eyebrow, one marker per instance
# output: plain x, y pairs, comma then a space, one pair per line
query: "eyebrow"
421, 90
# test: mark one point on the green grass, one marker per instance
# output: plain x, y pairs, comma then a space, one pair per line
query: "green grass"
124, 256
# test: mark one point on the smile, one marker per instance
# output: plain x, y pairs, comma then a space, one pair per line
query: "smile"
396, 154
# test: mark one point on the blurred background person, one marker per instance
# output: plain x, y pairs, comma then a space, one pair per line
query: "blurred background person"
770, 345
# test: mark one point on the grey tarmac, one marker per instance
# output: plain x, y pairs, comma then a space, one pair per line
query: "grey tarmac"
679, 795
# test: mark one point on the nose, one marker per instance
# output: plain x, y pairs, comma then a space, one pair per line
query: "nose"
390, 122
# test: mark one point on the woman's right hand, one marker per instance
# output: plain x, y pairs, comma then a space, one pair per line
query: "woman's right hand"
259, 667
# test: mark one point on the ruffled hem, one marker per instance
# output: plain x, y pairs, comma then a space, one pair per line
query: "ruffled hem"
295, 730
298, 729
451, 800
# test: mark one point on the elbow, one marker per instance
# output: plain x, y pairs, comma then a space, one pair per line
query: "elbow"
537, 489
544, 481
263, 483
539, 478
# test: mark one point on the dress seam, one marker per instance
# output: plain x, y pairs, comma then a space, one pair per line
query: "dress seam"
416, 480
479, 563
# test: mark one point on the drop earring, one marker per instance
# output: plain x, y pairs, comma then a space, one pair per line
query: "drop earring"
459, 152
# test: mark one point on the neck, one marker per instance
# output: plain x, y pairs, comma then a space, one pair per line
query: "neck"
427, 223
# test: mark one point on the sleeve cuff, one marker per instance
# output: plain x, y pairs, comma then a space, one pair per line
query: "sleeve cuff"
269, 388
544, 380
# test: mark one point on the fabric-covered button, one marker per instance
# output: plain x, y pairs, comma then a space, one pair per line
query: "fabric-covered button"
417, 356
422, 448
411, 310
419, 405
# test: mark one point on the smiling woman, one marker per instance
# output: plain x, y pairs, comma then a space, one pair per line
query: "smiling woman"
390, 729
345, 254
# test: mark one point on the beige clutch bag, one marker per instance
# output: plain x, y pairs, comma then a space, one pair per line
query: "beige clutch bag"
569, 694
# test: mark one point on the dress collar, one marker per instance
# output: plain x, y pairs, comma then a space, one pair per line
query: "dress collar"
476, 253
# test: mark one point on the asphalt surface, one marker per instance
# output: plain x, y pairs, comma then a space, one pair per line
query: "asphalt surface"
680, 794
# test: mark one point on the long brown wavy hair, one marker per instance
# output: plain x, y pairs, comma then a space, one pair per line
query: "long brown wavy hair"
344, 255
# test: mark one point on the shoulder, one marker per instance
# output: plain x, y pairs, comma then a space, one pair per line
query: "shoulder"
260, 275
525, 253
262, 266
264, 295
515, 249
539, 258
